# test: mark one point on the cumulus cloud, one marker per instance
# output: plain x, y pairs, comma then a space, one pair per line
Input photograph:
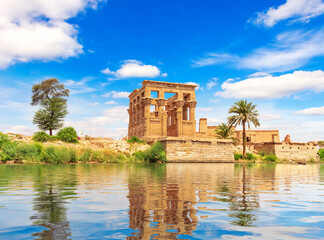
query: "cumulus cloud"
312, 111
299, 10
115, 94
135, 69
111, 122
197, 85
274, 86
288, 51
38, 30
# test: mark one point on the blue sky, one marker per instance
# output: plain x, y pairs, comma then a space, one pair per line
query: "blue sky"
269, 52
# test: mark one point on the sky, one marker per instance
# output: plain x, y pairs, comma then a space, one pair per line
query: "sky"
268, 52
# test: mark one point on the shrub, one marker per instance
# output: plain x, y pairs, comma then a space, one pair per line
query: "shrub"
139, 155
321, 154
4, 139
8, 151
68, 135
135, 139
270, 158
238, 156
86, 155
250, 156
41, 137
155, 153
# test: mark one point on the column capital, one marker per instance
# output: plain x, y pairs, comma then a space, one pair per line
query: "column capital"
147, 101
179, 103
160, 102
192, 104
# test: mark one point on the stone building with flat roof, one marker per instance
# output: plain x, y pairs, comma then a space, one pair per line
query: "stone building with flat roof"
161, 109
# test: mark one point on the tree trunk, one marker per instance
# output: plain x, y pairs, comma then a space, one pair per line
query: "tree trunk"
244, 140
51, 133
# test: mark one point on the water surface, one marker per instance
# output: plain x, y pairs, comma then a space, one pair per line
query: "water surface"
158, 201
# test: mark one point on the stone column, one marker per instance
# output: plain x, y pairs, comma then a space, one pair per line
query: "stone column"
130, 122
160, 103
147, 104
192, 115
179, 104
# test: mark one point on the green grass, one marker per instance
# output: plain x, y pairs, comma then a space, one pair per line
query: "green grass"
321, 154
135, 139
270, 158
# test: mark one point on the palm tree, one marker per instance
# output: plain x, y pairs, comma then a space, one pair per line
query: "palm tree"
224, 131
244, 112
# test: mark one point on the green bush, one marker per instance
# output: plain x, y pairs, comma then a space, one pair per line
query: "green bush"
238, 156
270, 158
41, 137
4, 139
321, 154
155, 153
250, 156
135, 139
68, 135
86, 156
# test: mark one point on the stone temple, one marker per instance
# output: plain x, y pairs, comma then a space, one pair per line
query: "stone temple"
165, 112
161, 109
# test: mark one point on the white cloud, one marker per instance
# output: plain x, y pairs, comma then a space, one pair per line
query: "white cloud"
115, 94
213, 121
289, 51
94, 104
79, 87
300, 10
274, 86
212, 83
312, 111
38, 30
259, 74
136, 69
193, 83
111, 123
20, 129
204, 109
215, 59
110, 103
268, 117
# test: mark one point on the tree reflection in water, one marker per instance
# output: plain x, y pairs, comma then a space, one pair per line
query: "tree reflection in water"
53, 193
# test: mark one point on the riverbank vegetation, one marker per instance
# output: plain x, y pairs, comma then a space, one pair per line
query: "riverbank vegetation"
42, 152
271, 158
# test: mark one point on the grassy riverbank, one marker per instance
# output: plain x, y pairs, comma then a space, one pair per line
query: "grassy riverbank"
265, 158
13, 151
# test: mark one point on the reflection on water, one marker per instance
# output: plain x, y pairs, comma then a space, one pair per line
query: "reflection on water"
156, 201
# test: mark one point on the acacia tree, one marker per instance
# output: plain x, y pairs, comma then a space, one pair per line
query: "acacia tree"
51, 95
244, 113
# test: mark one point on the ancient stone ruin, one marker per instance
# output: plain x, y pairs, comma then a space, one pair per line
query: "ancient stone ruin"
165, 112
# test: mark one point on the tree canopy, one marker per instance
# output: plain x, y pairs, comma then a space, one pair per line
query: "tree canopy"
50, 95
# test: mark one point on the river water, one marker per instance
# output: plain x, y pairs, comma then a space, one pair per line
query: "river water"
162, 201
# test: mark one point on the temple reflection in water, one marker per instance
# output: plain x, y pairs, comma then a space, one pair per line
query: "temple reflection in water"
158, 201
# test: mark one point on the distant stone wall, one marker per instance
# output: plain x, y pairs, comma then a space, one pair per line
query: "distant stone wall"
291, 151
198, 150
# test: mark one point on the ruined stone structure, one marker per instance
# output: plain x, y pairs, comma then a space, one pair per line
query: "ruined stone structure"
154, 113
165, 112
